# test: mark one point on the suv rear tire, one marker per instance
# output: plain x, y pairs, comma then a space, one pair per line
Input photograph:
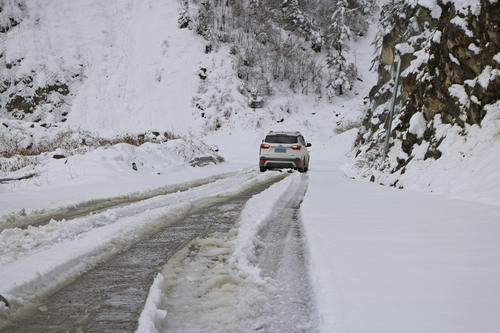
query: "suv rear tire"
262, 169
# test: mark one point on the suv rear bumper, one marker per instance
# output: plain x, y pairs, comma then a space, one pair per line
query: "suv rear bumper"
280, 163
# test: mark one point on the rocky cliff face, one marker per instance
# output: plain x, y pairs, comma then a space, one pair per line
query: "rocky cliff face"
450, 75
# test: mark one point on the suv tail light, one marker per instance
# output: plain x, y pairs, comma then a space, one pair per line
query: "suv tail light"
296, 147
264, 146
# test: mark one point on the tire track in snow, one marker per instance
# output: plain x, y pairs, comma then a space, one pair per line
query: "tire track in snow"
281, 256
99, 205
204, 289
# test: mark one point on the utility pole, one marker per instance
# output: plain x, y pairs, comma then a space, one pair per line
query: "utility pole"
393, 102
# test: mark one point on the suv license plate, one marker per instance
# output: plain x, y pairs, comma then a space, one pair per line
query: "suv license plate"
280, 150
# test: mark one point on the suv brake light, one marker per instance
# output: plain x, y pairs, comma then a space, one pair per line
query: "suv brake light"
264, 146
296, 147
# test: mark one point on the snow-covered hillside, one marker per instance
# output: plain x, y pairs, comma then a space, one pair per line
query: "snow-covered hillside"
126, 64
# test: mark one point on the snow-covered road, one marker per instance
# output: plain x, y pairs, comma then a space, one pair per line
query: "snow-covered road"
385, 260
37, 260
353, 257
110, 297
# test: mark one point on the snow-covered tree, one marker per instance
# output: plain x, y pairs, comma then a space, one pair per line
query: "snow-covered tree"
340, 70
205, 19
296, 20
184, 18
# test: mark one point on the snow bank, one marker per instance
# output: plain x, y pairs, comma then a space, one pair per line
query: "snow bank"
104, 172
257, 210
151, 312
468, 167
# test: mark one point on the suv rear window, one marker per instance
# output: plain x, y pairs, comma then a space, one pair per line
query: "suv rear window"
281, 139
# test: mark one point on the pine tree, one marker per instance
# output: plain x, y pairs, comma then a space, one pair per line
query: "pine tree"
337, 35
294, 17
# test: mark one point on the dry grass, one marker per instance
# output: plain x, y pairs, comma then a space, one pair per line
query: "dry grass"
74, 141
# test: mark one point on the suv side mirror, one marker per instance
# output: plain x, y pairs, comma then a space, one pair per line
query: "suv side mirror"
308, 145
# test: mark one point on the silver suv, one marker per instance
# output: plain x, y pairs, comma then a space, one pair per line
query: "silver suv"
281, 150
